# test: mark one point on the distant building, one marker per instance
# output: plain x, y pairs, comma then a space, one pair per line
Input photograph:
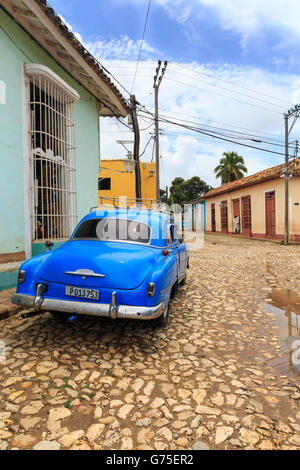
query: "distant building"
117, 178
52, 93
254, 206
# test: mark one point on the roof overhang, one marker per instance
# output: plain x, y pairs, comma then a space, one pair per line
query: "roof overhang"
46, 28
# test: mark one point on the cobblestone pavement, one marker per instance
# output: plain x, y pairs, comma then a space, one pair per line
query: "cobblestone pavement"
204, 380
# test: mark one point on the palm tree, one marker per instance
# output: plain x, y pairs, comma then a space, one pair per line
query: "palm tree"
230, 168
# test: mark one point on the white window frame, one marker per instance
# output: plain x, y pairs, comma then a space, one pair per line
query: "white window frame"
54, 157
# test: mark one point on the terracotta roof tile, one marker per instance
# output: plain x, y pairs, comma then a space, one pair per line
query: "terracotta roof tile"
265, 175
90, 60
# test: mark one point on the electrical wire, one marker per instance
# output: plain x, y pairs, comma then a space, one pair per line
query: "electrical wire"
241, 136
218, 122
146, 146
139, 56
219, 94
277, 140
230, 83
227, 89
219, 137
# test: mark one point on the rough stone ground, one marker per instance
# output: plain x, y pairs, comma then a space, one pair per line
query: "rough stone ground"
99, 384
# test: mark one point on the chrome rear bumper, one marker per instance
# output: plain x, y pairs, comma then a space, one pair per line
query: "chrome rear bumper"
111, 310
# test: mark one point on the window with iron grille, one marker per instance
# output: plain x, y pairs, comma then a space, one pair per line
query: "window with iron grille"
104, 183
52, 160
224, 215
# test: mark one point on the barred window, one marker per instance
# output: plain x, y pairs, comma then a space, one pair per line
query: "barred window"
52, 159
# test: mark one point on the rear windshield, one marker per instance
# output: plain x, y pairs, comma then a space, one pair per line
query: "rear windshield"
113, 229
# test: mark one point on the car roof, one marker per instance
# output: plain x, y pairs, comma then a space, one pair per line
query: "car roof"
157, 220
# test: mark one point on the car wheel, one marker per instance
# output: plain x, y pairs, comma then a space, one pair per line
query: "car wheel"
163, 319
60, 315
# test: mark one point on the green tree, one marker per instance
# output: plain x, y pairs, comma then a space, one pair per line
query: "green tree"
182, 191
231, 167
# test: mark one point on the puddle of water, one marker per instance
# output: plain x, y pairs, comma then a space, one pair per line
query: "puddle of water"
285, 305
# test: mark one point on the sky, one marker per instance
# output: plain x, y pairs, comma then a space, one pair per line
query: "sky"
232, 65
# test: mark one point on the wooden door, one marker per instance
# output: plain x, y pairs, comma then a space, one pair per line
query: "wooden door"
224, 217
270, 214
246, 216
213, 218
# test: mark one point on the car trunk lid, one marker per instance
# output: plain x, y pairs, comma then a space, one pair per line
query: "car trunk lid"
87, 263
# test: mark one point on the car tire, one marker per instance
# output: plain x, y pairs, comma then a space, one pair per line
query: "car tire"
163, 319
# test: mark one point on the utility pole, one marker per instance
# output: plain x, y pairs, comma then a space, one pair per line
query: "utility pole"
157, 82
286, 177
136, 149
293, 112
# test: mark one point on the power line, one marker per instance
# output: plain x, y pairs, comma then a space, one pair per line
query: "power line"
219, 94
228, 133
139, 56
224, 124
227, 89
230, 83
219, 137
241, 135
146, 146
219, 122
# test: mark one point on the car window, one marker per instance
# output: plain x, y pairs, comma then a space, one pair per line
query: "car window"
113, 229
169, 234
174, 232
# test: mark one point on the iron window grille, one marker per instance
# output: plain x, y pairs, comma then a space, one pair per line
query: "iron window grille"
52, 160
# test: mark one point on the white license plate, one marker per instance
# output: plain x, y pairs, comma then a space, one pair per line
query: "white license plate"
82, 292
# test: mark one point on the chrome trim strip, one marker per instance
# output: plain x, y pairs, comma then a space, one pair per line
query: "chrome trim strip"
125, 241
94, 309
85, 273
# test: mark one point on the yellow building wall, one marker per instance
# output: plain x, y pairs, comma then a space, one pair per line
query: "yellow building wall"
123, 183
258, 211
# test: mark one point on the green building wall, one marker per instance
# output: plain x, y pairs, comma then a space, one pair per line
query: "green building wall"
16, 49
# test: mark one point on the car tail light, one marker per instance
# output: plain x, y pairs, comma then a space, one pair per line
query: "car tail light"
151, 289
21, 276
49, 244
166, 252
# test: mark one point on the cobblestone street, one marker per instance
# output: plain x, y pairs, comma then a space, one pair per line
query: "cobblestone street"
216, 377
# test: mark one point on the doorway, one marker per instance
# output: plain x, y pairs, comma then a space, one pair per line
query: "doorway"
246, 216
236, 216
213, 218
224, 217
270, 214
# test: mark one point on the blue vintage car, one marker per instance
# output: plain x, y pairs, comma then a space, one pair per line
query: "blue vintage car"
118, 263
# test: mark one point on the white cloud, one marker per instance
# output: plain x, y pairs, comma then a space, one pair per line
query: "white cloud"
186, 94
118, 47
77, 35
189, 155
246, 17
